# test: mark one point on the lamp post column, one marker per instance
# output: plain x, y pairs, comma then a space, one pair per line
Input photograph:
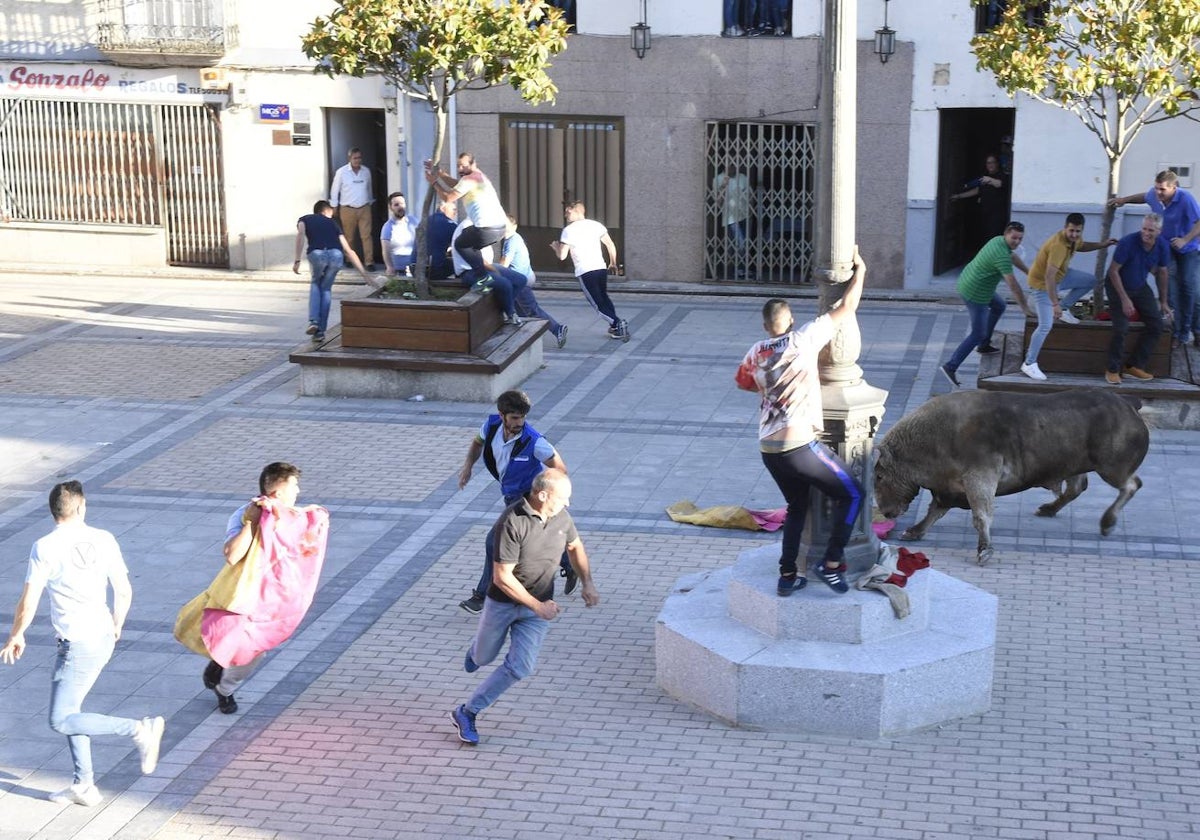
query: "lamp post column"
853, 408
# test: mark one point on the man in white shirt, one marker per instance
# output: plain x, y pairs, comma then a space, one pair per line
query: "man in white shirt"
582, 239
782, 369
399, 237
351, 196
77, 563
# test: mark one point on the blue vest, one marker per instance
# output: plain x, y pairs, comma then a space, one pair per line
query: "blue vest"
518, 475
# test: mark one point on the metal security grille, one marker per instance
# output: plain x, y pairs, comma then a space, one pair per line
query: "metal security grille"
194, 188
117, 164
78, 162
548, 163
759, 213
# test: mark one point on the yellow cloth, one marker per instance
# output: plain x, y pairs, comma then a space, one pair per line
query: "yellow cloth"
722, 516
229, 584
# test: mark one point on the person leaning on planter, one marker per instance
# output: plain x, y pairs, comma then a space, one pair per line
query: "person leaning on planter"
1136, 256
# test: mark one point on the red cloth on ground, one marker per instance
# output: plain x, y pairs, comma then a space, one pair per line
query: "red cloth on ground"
911, 561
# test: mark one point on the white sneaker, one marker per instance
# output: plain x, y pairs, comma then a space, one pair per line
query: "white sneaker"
1033, 371
85, 795
1067, 318
148, 737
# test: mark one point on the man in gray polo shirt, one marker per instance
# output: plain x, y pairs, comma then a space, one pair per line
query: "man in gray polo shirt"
530, 537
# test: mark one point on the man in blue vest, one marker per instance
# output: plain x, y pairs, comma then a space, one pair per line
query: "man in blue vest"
514, 453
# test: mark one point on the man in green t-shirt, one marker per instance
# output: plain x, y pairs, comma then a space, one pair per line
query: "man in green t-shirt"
977, 286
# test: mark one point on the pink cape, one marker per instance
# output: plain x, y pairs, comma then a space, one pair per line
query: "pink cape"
269, 607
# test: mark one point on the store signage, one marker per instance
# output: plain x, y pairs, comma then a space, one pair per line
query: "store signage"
274, 113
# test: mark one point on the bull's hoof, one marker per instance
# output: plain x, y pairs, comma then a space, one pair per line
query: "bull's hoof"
912, 534
1106, 528
984, 557
1047, 509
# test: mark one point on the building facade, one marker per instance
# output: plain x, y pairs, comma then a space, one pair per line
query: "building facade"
193, 132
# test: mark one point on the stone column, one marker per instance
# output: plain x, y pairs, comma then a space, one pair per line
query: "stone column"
853, 408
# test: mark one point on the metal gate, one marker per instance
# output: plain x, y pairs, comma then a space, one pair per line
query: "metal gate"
549, 163
761, 182
115, 163
193, 186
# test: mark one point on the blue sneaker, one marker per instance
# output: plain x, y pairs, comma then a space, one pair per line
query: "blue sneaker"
469, 664
465, 721
561, 336
788, 585
833, 577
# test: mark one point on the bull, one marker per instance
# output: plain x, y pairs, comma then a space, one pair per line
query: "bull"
968, 447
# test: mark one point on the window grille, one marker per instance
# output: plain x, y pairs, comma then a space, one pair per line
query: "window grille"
760, 184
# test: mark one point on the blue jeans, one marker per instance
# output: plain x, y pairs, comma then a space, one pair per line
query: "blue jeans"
325, 265
731, 14
1045, 313
402, 262
1076, 284
75, 672
984, 317
528, 307
1184, 292
737, 233
526, 631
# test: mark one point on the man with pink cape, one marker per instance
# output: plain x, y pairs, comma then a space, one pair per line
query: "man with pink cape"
273, 556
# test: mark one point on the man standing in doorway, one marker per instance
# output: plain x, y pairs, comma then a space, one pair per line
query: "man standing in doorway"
530, 537
1180, 214
581, 240
351, 196
482, 205
77, 563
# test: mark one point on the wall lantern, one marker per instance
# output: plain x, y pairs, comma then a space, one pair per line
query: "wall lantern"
885, 38
639, 35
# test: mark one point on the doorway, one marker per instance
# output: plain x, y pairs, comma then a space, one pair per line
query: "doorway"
967, 136
347, 128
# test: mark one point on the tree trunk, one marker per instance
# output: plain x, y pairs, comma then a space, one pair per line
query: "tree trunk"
420, 266
1106, 221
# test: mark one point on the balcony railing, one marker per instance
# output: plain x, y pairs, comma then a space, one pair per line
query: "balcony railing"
192, 33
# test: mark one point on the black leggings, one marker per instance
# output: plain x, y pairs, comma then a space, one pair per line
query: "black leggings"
798, 470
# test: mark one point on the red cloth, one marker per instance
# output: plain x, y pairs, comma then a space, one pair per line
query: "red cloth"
911, 561
266, 612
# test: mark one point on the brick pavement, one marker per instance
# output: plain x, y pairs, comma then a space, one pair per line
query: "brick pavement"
344, 732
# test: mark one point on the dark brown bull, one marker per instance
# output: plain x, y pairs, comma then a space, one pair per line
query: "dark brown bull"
968, 447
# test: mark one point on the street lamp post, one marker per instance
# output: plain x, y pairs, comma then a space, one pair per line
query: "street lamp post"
853, 408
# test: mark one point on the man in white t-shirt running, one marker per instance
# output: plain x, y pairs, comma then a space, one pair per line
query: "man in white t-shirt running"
582, 239
77, 563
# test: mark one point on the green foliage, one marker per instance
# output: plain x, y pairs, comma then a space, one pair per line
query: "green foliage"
1116, 64
433, 49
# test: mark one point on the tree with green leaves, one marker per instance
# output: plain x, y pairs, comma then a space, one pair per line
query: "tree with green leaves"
1117, 65
432, 50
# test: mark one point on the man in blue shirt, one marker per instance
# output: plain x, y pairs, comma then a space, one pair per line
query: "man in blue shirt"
438, 234
515, 258
514, 453
1137, 255
1180, 214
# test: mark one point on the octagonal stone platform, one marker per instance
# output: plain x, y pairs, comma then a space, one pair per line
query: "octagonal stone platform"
823, 662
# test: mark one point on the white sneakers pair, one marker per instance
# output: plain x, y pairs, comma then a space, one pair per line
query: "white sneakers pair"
1067, 318
1033, 371
147, 737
